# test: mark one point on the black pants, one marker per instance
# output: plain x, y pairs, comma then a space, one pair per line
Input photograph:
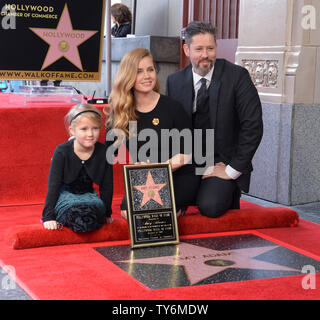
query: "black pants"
186, 185
216, 196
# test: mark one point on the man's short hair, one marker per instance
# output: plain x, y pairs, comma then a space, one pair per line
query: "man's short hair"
197, 27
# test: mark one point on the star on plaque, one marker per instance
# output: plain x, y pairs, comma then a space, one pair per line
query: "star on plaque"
150, 190
200, 262
63, 41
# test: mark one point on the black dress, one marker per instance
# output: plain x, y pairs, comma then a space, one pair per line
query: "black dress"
167, 114
79, 207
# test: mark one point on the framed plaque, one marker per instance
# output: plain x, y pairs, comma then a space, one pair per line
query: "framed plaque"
150, 202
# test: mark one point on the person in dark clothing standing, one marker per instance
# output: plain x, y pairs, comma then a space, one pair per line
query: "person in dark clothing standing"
219, 95
121, 17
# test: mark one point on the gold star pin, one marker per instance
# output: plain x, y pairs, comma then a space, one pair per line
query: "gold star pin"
155, 121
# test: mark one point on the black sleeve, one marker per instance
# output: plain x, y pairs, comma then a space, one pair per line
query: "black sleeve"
111, 144
55, 181
249, 111
106, 188
114, 30
183, 122
123, 30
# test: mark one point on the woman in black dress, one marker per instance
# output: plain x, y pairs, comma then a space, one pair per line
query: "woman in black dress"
135, 99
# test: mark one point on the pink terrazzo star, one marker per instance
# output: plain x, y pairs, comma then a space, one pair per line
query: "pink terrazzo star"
63, 41
150, 190
200, 262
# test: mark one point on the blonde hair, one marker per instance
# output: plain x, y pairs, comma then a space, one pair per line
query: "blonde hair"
83, 110
121, 107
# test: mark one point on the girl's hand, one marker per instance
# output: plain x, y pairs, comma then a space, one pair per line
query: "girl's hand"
109, 219
124, 214
52, 225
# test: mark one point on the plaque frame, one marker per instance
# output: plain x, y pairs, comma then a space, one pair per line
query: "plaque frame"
161, 221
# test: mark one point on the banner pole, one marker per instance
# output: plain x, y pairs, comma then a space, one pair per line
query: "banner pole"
134, 16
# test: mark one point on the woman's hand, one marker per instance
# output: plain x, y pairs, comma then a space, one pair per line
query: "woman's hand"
148, 162
52, 225
179, 160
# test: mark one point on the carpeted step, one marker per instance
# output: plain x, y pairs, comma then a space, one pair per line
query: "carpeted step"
32, 236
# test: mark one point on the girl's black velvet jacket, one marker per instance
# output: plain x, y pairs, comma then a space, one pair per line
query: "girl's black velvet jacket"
65, 168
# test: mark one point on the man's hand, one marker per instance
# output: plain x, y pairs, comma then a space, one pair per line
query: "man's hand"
218, 170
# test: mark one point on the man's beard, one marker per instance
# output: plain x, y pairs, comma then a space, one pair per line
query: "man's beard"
202, 71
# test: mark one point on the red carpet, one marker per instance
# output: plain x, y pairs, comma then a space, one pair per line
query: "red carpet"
24, 173
30, 134
77, 271
31, 236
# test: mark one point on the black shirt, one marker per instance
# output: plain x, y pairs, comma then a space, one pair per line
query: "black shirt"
67, 168
155, 130
122, 30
